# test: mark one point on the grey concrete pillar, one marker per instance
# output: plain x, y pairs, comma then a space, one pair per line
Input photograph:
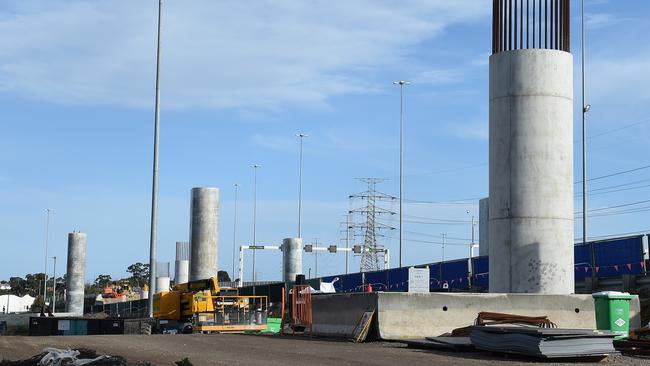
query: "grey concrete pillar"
291, 258
182, 264
531, 172
162, 284
483, 227
76, 273
204, 233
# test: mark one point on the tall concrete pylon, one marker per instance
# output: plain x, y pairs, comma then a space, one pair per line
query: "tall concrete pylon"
531, 148
182, 263
76, 273
204, 233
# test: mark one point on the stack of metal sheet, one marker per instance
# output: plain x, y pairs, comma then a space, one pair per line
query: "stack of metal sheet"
441, 343
543, 342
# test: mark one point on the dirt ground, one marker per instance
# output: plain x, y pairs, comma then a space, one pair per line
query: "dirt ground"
240, 349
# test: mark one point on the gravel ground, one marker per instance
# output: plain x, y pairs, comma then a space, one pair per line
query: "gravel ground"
240, 349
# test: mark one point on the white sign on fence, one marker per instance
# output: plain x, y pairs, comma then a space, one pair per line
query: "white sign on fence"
419, 280
63, 325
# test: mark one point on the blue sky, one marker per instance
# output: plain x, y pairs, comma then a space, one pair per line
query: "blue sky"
239, 80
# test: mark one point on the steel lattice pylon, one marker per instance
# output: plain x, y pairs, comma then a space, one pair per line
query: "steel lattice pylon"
370, 225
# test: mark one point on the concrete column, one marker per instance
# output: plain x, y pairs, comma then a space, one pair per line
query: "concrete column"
76, 273
182, 264
483, 227
531, 172
291, 258
204, 233
162, 284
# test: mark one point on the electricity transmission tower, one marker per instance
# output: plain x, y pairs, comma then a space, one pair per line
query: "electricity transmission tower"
369, 223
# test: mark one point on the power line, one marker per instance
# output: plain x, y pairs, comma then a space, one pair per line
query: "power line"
615, 174
435, 223
618, 190
640, 232
434, 219
430, 242
461, 202
616, 186
622, 212
437, 236
618, 206
615, 130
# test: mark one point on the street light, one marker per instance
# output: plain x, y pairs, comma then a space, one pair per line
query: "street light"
54, 288
234, 233
443, 247
471, 244
47, 236
154, 184
255, 167
401, 84
585, 108
302, 136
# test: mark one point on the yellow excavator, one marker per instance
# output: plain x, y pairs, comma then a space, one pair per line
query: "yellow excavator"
202, 307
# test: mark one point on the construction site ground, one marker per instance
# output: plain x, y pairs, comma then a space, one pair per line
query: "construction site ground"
242, 349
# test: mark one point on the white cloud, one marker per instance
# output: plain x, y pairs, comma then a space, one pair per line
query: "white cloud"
439, 76
230, 54
601, 20
619, 81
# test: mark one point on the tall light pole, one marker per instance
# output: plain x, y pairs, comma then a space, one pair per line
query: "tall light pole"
54, 287
47, 237
234, 233
302, 136
316, 254
585, 109
471, 244
154, 184
443, 247
401, 84
255, 167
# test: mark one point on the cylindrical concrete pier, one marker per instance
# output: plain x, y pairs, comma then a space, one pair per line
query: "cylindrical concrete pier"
291, 258
204, 233
531, 172
182, 264
483, 227
162, 284
76, 273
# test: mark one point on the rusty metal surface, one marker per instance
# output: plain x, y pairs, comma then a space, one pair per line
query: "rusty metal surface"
523, 24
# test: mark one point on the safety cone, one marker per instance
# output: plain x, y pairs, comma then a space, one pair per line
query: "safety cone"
369, 289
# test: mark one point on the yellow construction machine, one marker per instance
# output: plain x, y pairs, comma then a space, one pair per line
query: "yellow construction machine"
201, 306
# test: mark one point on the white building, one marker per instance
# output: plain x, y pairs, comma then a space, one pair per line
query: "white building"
15, 304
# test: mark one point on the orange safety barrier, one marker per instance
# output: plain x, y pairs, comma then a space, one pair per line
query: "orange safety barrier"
301, 306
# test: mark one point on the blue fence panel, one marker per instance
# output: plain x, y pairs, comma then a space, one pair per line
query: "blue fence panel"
456, 274
481, 276
620, 256
398, 279
435, 281
346, 283
378, 280
582, 260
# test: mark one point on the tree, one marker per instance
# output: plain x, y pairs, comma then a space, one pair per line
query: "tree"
139, 274
223, 276
102, 281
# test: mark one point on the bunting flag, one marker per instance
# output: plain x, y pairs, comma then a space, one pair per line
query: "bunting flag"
616, 268
629, 266
586, 269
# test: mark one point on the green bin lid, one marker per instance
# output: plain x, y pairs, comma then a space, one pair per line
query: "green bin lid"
616, 295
